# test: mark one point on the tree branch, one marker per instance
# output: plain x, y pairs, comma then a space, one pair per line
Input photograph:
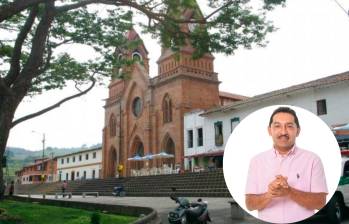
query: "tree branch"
10, 9
4, 89
219, 9
17, 51
48, 58
35, 60
30, 116
84, 3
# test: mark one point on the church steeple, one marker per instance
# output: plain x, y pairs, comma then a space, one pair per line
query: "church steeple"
134, 49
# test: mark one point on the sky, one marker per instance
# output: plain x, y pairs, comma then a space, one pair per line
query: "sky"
311, 42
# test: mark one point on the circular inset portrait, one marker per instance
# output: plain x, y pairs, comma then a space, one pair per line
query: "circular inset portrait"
282, 164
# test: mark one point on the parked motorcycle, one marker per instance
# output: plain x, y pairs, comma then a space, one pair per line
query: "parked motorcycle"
189, 213
119, 191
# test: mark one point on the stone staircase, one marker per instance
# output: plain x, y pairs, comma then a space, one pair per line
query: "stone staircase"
203, 184
36, 188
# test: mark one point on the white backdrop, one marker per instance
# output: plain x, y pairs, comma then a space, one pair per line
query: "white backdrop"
250, 137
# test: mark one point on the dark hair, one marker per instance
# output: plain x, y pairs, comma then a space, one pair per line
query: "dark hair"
285, 110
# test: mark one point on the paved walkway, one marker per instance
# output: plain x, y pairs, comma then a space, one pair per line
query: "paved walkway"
219, 208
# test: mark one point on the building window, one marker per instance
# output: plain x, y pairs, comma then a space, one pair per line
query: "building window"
167, 109
136, 56
233, 123
84, 174
321, 107
140, 149
66, 176
94, 155
73, 159
93, 174
190, 138
86, 156
68, 160
112, 125
80, 157
137, 106
77, 174
62, 161
218, 132
200, 137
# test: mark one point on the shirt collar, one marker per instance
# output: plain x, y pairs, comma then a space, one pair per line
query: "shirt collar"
291, 152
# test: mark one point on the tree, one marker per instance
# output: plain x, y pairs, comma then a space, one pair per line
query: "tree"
33, 31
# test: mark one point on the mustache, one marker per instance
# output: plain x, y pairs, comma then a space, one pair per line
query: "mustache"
286, 136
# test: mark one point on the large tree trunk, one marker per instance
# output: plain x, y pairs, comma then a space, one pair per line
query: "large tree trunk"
20, 86
8, 105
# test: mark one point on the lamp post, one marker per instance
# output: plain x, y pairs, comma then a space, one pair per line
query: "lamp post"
43, 154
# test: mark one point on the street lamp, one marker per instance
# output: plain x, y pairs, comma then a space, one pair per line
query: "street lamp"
43, 153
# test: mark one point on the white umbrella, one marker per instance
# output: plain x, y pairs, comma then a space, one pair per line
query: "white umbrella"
149, 156
163, 155
135, 158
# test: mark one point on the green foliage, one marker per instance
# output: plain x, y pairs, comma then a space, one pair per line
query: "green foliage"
86, 28
95, 218
270, 4
244, 30
5, 218
234, 25
44, 214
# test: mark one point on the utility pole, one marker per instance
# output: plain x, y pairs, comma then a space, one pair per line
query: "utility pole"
52, 168
43, 156
42, 176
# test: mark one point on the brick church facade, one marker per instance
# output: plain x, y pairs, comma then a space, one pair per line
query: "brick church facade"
144, 115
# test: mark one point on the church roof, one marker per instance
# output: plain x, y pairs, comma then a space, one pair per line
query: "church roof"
322, 82
132, 35
232, 95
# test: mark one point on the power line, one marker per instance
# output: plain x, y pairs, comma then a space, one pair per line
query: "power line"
340, 6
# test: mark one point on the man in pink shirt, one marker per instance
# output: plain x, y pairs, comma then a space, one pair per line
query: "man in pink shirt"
285, 184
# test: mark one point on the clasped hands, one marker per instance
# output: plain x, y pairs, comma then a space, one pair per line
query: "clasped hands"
278, 187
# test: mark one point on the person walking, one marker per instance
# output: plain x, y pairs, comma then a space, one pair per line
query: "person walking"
12, 188
64, 187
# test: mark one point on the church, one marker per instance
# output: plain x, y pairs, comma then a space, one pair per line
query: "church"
144, 114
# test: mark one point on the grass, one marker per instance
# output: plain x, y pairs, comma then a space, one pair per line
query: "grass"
34, 213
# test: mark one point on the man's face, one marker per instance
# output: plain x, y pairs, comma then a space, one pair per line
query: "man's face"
283, 131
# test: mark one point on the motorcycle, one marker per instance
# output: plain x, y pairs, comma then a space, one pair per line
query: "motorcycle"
119, 191
189, 213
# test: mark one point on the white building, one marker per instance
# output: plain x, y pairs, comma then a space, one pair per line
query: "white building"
85, 164
193, 138
327, 97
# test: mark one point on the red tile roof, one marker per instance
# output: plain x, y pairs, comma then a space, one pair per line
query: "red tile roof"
322, 82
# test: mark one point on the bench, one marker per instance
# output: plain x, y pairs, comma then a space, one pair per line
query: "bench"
90, 193
69, 194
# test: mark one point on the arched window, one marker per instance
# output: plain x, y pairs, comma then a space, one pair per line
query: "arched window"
112, 125
136, 56
167, 109
137, 106
120, 57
